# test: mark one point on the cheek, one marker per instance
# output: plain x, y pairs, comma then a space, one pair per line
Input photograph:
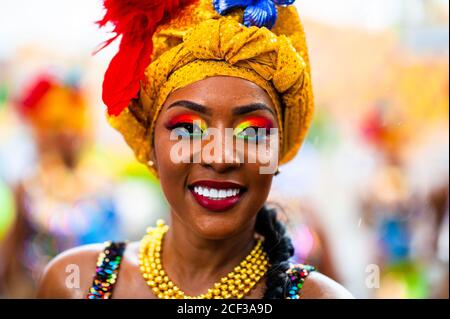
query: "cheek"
259, 184
172, 175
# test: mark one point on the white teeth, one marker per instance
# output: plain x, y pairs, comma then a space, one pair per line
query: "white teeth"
214, 193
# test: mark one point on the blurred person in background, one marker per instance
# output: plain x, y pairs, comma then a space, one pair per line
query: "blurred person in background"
63, 203
407, 225
311, 240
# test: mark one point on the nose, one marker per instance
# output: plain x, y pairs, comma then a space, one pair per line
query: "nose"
218, 152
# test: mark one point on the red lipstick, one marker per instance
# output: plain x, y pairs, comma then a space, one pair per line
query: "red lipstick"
216, 196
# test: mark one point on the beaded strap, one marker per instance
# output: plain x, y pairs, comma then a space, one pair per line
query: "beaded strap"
297, 275
108, 266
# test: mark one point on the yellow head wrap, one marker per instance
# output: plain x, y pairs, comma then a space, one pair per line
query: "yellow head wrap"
200, 43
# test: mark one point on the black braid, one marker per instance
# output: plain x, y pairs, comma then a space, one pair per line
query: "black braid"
279, 248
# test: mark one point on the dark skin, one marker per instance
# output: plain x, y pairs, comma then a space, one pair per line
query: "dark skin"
201, 246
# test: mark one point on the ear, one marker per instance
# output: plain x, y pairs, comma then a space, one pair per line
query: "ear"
153, 162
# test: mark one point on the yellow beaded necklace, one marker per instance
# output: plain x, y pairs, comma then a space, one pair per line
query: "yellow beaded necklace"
235, 285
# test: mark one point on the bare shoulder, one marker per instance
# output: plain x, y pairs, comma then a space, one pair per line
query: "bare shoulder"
69, 275
319, 286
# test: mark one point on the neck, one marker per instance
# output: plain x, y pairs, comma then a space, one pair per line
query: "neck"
54, 158
195, 263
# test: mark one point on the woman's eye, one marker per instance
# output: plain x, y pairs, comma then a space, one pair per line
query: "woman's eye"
253, 133
188, 130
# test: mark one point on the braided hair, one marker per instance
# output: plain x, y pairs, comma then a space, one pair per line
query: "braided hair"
279, 248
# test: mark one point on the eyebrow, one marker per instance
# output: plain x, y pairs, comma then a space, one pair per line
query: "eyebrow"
244, 109
192, 106
240, 110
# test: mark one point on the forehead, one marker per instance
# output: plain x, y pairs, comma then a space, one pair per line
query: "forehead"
222, 91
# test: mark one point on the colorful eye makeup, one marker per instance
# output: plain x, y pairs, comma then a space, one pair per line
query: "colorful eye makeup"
254, 128
187, 125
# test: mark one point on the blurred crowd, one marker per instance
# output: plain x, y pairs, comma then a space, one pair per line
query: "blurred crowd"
366, 200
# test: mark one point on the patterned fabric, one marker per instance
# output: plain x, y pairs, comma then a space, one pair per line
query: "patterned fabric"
199, 43
297, 275
108, 266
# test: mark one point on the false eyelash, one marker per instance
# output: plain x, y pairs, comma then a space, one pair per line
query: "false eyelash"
186, 131
257, 137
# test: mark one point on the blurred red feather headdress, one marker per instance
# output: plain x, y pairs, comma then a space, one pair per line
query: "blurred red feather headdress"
49, 102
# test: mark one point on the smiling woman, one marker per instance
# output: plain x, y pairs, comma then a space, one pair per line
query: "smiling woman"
207, 72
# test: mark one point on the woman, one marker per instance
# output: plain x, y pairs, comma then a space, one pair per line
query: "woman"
59, 204
185, 69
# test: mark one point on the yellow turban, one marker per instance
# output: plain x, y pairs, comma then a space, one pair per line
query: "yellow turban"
199, 43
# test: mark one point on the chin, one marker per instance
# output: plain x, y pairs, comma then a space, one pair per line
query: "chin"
216, 226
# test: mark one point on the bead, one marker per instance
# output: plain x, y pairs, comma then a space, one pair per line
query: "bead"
160, 222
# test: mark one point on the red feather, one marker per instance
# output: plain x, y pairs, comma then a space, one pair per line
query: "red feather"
136, 21
35, 93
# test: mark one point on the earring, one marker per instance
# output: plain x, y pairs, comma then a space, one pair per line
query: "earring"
150, 163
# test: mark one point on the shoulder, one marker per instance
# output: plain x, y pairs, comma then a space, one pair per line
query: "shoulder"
319, 286
70, 274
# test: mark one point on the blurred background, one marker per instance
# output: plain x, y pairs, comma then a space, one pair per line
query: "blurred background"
366, 199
